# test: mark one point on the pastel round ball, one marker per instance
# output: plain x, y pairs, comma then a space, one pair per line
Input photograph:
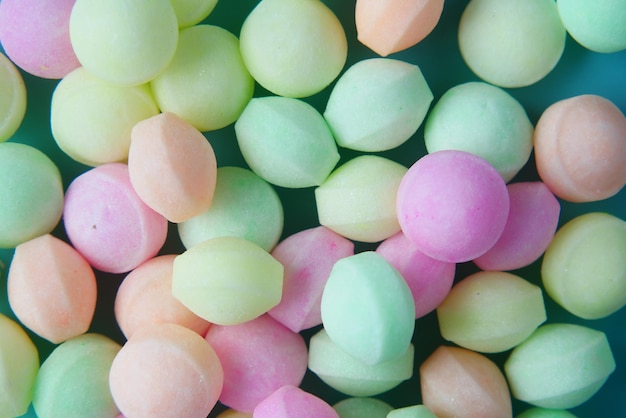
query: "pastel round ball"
377, 104
92, 119
293, 48
545, 370
19, 365
227, 280
144, 298
395, 25
167, 370
367, 308
511, 43
286, 142
598, 25
108, 223
258, 357
358, 199
54, 296
453, 205
485, 120
491, 311
192, 12
244, 205
584, 269
146, 36
580, 148
359, 407
545, 413
172, 167
206, 83
12, 98
31, 192
35, 35
74, 379
533, 219
290, 402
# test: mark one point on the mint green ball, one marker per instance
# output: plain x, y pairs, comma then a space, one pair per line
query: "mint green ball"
377, 104
545, 413
368, 309
598, 25
559, 366
362, 407
484, 120
74, 379
31, 194
286, 142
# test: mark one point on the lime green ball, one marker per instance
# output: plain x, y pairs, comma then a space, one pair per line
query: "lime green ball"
31, 194
124, 42
12, 98
293, 48
19, 364
191, 12
545, 413
511, 43
484, 120
74, 379
92, 119
227, 280
584, 268
207, 83
598, 25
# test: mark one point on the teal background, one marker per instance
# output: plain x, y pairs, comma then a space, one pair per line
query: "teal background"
579, 72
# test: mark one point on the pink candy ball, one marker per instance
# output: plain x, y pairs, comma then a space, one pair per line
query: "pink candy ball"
293, 402
108, 223
35, 35
452, 205
308, 257
258, 357
530, 227
430, 280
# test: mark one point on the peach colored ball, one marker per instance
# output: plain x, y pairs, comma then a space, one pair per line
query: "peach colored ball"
172, 167
35, 35
52, 289
166, 371
456, 382
580, 148
145, 298
388, 26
